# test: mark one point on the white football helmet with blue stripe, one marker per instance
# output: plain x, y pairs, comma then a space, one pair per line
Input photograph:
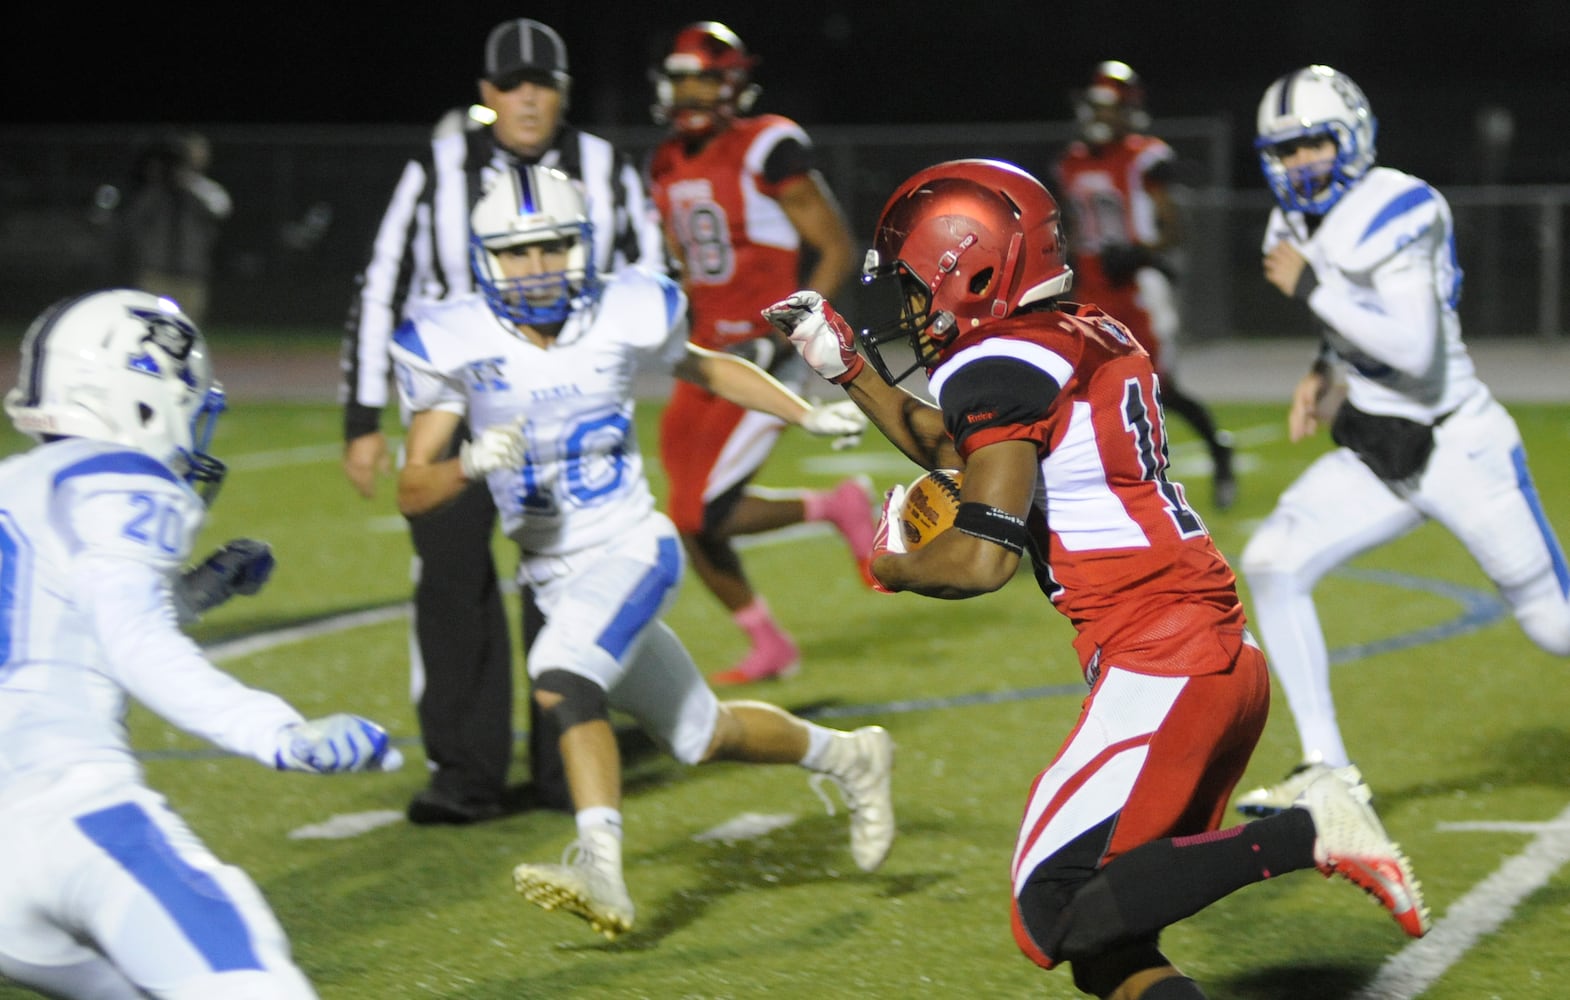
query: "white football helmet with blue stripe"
125, 366
533, 205
1315, 102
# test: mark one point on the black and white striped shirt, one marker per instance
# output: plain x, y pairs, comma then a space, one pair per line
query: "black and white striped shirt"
421, 248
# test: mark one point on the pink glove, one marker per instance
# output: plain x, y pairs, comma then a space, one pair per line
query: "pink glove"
820, 334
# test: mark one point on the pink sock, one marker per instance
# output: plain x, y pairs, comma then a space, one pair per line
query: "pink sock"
758, 622
815, 505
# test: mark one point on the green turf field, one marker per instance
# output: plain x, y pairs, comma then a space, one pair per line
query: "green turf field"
1465, 741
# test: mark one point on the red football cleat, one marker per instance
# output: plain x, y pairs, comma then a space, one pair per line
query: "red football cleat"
1352, 843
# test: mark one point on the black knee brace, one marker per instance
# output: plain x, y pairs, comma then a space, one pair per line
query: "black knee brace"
1175, 988
582, 700
1100, 974
1050, 904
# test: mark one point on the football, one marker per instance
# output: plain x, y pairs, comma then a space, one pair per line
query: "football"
930, 505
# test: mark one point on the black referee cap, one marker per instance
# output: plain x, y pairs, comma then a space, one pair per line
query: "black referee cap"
519, 49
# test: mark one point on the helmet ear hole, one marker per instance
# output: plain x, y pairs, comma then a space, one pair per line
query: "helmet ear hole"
981, 281
145, 412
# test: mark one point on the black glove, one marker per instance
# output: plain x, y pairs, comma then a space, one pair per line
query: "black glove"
1120, 262
241, 566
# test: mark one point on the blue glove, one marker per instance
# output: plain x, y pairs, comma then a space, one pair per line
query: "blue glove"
241, 566
335, 744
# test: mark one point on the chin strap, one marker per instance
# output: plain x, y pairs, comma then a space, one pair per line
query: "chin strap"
1006, 281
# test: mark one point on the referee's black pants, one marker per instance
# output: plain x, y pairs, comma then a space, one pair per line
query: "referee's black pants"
465, 711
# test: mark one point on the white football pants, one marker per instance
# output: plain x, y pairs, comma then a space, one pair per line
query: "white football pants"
1476, 484
602, 609
106, 894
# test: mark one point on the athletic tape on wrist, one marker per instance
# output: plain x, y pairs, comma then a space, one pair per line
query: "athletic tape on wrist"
990, 524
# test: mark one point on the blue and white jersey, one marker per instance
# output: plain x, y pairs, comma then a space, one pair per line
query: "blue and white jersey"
1388, 288
582, 483
91, 536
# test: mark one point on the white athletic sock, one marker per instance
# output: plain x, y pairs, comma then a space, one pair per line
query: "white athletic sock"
598, 816
822, 743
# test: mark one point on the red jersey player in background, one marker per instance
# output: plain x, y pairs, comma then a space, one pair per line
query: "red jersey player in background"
1050, 411
1116, 182
740, 200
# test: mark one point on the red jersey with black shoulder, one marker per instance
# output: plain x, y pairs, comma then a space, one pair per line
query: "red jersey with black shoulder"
1117, 547
720, 204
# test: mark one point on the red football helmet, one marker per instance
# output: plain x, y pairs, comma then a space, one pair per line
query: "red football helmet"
1113, 105
966, 242
705, 48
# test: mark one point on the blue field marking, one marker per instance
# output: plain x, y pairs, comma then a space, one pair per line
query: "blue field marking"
905, 705
1479, 609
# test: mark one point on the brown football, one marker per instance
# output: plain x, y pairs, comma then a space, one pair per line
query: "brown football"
930, 505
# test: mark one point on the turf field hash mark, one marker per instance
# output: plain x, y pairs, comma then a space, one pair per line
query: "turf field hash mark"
1477, 914
747, 826
346, 825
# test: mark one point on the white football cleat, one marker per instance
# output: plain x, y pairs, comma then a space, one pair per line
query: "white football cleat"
864, 780
1271, 799
588, 883
1351, 842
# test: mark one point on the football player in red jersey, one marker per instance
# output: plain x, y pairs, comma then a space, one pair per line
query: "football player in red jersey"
1051, 411
1116, 184
740, 201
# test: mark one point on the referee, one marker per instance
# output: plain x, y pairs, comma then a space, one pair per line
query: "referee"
461, 661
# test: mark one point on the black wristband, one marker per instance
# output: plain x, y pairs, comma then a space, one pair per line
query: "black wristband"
359, 421
1324, 361
1306, 283
990, 524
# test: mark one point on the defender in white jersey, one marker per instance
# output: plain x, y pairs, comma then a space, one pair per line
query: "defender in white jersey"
104, 891
542, 365
1371, 252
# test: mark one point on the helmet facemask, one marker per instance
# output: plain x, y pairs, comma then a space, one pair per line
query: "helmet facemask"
913, 340
529, 207
1313, 188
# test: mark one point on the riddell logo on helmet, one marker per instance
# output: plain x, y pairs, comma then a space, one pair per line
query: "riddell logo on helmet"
976, 418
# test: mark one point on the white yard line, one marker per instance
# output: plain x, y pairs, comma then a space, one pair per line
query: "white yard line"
262, 641
1477, 914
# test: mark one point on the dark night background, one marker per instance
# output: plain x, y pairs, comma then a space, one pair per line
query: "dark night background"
1429, 69
312, 110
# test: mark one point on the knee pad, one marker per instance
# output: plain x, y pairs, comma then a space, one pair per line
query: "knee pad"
1049, 905
582, 700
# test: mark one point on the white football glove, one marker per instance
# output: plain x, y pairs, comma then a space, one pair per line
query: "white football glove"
334, 744
499, 447
888, 537
843, 421
819, 333
240, 566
